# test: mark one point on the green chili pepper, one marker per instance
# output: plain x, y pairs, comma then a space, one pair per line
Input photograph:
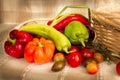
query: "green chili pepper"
77, 33
61, 41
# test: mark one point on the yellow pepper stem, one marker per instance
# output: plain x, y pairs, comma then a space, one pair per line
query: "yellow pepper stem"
82, 42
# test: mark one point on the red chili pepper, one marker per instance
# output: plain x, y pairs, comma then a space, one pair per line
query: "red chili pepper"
73, 17
68, 19
14, 46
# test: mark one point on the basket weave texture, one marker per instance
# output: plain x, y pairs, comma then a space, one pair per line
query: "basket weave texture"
106, 23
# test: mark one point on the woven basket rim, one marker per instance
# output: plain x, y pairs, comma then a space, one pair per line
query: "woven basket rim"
103, 20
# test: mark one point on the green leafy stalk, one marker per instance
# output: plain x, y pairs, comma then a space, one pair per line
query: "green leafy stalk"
56, 19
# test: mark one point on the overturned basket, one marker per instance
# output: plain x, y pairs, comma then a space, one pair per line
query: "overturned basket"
106, 22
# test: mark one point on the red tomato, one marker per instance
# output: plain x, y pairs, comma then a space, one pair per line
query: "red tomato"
118, 68
74, 48
99, 57
86, 62
86, 54
59, 57
92, 68
74, 59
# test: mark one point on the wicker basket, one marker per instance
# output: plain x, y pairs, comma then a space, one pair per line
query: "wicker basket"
106, 22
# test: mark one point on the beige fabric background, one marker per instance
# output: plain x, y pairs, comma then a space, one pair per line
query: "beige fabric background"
16, 11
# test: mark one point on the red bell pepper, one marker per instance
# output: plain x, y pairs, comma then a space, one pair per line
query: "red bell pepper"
39, 51
15, 44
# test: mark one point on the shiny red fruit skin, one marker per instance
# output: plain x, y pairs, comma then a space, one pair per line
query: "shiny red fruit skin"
92, 68
74, 48
15, 44
74, 59
16, 50
86, 54
118, 68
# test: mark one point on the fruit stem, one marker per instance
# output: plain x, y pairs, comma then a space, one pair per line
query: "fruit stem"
40, 44
82, 42
11, 40
115, 55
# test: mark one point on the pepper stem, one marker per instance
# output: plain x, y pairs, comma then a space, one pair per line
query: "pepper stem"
40, 44
57, 20
11, 40
115, 55
66, 7
66, 50
82, 42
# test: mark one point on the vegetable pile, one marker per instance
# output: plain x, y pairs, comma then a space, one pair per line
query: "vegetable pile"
42, 43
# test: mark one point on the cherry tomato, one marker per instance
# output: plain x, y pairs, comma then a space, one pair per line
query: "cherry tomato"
92, 68
118, 68
86, 54
74, 48
99, 57
86, 62
74, 59
59, 57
